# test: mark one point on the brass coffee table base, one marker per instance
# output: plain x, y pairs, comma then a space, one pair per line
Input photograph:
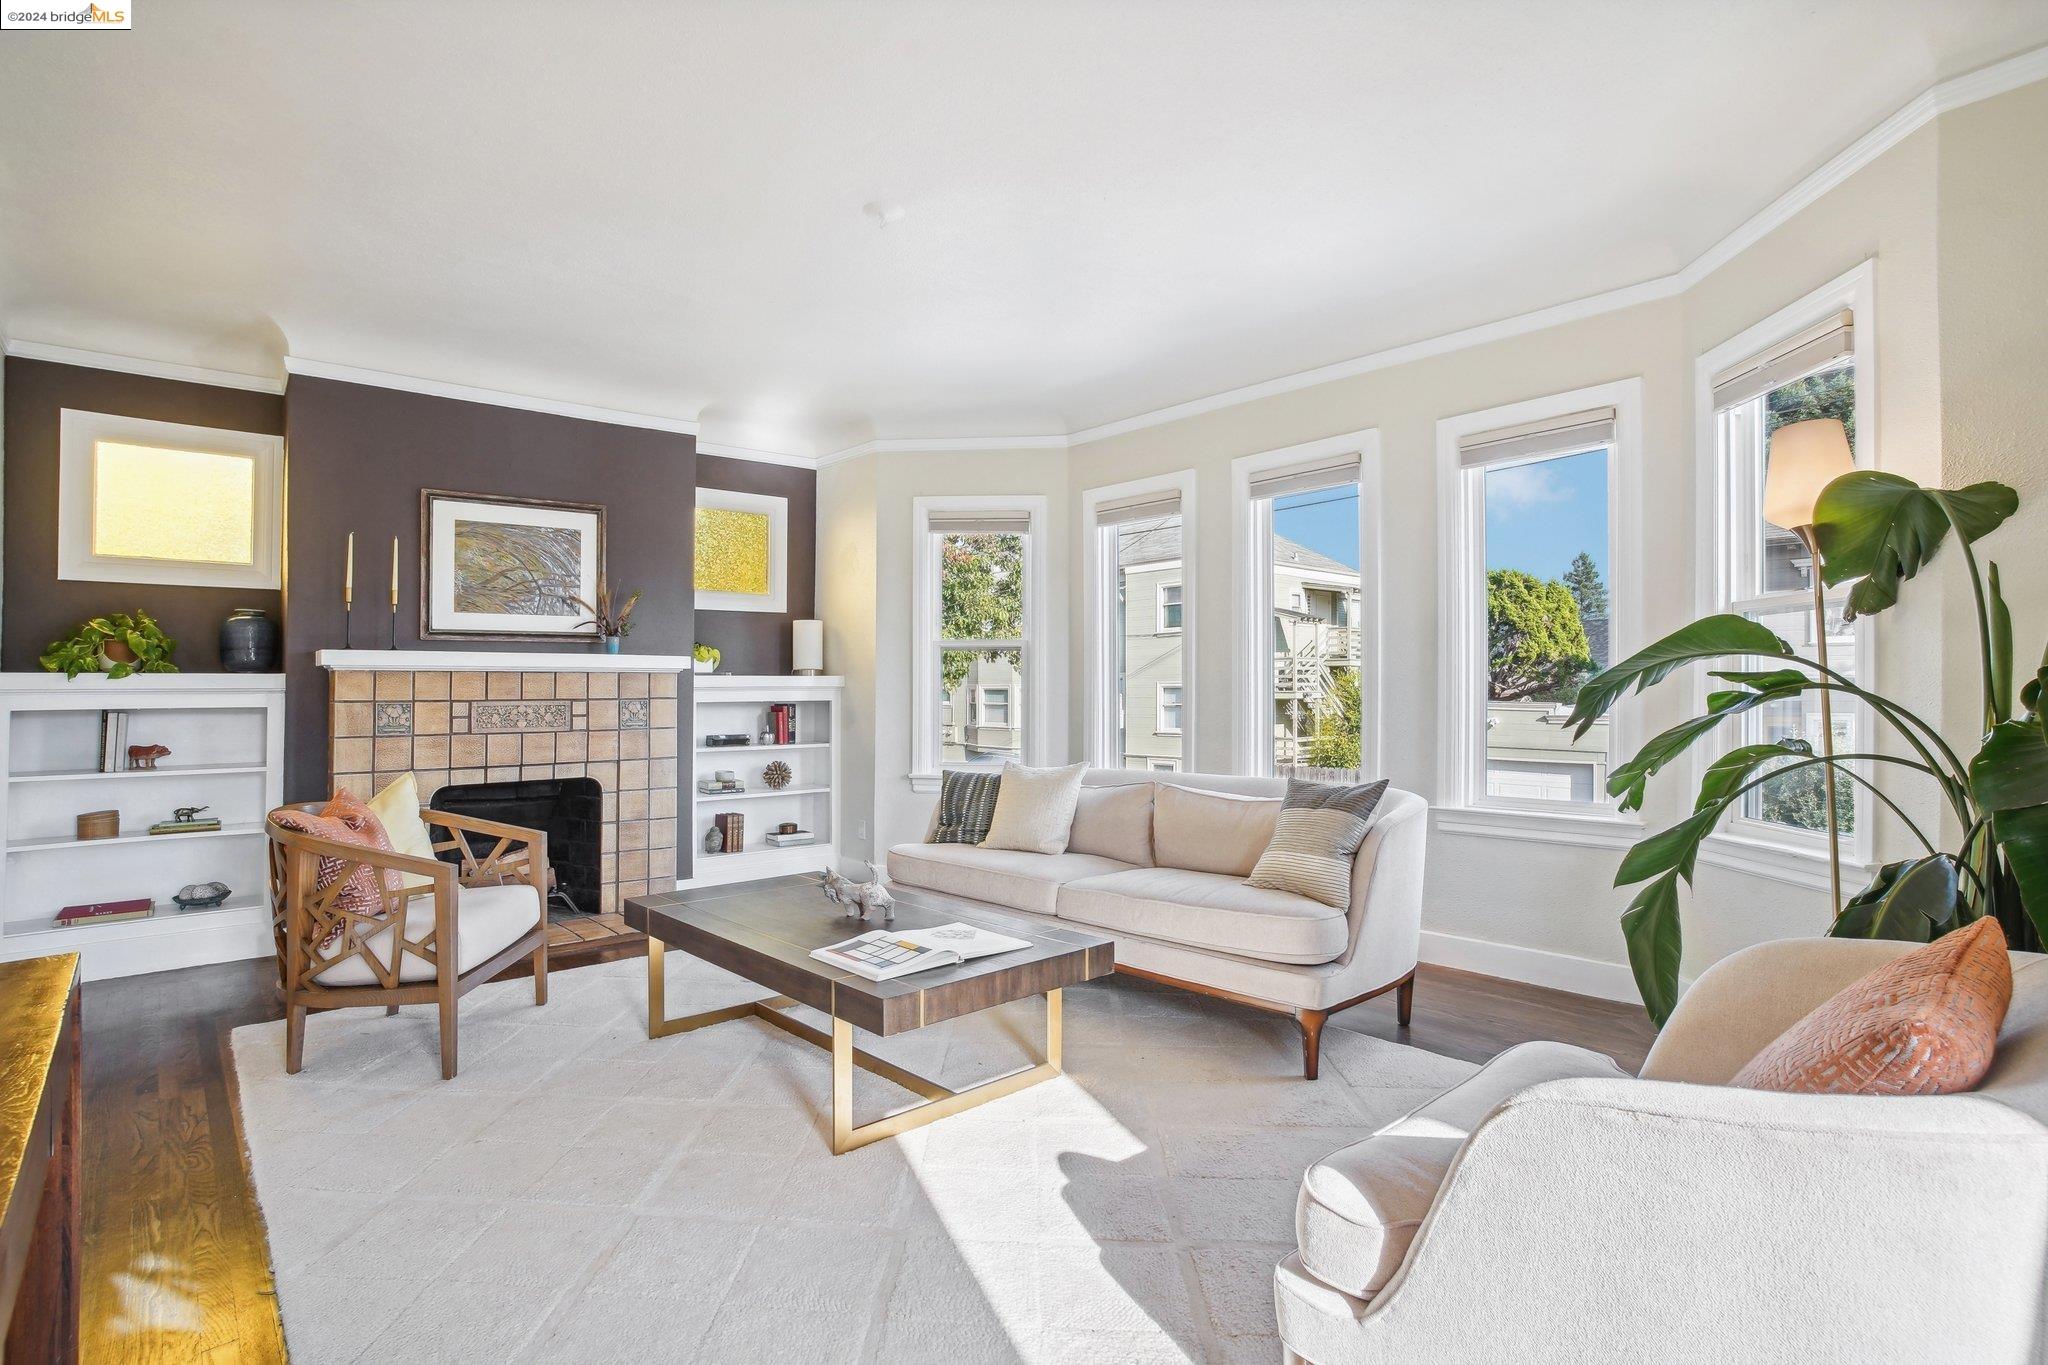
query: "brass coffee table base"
940, 1102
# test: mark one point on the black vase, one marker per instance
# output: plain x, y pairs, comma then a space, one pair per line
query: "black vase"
248, 642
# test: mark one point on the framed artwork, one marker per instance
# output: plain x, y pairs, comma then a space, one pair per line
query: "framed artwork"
742, 551
494, 568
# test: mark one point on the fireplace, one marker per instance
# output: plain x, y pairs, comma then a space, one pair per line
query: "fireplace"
569, 810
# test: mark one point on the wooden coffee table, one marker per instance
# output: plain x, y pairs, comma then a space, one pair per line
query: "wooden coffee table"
765, 931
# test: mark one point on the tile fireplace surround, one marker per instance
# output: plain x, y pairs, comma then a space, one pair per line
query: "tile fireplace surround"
457, 717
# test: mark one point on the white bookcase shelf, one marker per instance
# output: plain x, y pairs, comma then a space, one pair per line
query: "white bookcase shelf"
226, 737
737, 704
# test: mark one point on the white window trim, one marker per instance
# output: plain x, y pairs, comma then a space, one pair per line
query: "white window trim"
1462, 612
1159, 725
1098, 642
1251, 554
1754, 846
924, 699
1159, 620
80, 431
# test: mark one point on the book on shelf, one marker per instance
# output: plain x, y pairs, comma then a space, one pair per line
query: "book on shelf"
105, 912
205, 825
731, 825
113, 741
782, 722
885, 954
801, 837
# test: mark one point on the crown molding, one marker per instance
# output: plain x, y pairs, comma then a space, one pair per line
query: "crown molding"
382, 379
155, 369
727, 452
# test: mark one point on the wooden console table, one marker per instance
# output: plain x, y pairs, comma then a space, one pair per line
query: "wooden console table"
40, 1237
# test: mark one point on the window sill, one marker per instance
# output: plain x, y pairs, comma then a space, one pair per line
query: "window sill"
924, 782
1803, 867
1591, 830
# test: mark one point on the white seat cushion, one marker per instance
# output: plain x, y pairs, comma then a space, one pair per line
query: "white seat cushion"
488, 919
1359, 1208
1000, 876
1208, 910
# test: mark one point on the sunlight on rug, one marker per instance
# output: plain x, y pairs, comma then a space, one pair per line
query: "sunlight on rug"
581, 1193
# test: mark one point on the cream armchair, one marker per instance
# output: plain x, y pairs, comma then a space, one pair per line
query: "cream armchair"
1553, 1207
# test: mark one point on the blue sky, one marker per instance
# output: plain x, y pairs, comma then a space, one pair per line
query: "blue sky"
1538, 516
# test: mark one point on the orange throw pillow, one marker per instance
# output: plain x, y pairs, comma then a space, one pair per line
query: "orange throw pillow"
346, 820
1925, 1024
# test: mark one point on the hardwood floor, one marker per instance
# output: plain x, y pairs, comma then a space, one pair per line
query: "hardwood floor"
176, 1265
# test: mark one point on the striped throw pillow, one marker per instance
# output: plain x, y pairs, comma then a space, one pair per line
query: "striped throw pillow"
967, 803
1319, 829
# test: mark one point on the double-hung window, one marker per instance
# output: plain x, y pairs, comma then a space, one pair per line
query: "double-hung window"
1795, 367
1535, 579
1303, 690
978, 698
1141, 625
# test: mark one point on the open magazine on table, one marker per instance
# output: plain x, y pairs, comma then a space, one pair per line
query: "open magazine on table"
885, 954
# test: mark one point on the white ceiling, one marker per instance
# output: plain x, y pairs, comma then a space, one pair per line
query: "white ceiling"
1109, 208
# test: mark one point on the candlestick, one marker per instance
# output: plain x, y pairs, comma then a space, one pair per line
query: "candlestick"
348, 578
394, 573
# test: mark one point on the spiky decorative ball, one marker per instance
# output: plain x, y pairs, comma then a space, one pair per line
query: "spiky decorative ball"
776, 774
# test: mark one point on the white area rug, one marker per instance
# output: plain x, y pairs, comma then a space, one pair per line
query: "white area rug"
580, 1193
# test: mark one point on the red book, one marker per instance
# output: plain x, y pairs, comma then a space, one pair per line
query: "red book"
105, 912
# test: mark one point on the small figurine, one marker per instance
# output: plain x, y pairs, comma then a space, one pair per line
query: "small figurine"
183, 814
202, 896
144, 756
860, 898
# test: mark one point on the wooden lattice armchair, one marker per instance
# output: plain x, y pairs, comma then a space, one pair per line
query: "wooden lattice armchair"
468, 920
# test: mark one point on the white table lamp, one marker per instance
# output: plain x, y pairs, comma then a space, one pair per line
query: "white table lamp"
807, 647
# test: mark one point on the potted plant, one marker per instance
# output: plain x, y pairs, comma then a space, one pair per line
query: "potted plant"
117, 645
612, 625
1876, 530
705, 659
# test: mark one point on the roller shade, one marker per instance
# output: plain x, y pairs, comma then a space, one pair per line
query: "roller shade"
1551, 436
1801, 355
1307, 478
980, 523
1142, 507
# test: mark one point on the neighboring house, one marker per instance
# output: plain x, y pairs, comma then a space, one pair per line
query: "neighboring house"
982, 720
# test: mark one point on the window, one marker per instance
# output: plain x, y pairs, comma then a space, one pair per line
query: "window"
977, 654
995, 706
1300, 558
121, 477
1169, 608
1165, 765
1141, 624
1169, 708
1797, 366
1533, 582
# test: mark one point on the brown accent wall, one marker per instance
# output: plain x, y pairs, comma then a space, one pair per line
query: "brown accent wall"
37, 607
359, 457
754, 641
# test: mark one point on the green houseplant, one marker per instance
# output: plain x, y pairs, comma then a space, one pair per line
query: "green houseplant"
1875, 531
116, 644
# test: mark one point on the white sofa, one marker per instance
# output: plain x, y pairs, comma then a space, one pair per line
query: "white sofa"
1553, 1207
1169, 887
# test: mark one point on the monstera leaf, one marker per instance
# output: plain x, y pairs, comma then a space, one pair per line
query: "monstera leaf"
1629, 779
2009, 779
1881, 528
1655, 944
1710, 637
1914, 900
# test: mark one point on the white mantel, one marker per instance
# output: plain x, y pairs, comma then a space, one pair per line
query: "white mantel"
477, 661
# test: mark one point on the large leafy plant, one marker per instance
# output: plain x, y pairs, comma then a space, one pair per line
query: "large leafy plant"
1875, 531
99, 644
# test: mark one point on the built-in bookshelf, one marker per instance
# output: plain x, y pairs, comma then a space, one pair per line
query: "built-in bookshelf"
734, 704
225, 733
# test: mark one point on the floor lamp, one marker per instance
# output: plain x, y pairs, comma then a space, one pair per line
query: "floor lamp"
1804, 458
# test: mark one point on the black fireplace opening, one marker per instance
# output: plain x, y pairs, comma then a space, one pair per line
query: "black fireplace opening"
569, 810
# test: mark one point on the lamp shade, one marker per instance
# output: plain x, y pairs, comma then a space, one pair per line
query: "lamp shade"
1805, 457
807, 646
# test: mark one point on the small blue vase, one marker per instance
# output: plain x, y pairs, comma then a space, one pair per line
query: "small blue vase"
611, 644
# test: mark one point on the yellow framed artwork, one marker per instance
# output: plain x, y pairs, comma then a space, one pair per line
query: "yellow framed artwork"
741, 547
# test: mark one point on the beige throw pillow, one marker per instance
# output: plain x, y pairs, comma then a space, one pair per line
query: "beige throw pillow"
1114, 822
397, 807
1210, 831
1314, 840
1035, 808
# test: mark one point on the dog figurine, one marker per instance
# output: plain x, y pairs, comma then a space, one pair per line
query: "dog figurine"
861, 899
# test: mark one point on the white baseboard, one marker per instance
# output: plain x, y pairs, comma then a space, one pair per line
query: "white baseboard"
1559, 971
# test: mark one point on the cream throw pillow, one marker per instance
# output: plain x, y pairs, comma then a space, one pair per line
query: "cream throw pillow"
398, 808
1114, 822
1035, 808
1211, 831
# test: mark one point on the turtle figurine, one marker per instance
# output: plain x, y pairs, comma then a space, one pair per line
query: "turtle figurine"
201, 896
